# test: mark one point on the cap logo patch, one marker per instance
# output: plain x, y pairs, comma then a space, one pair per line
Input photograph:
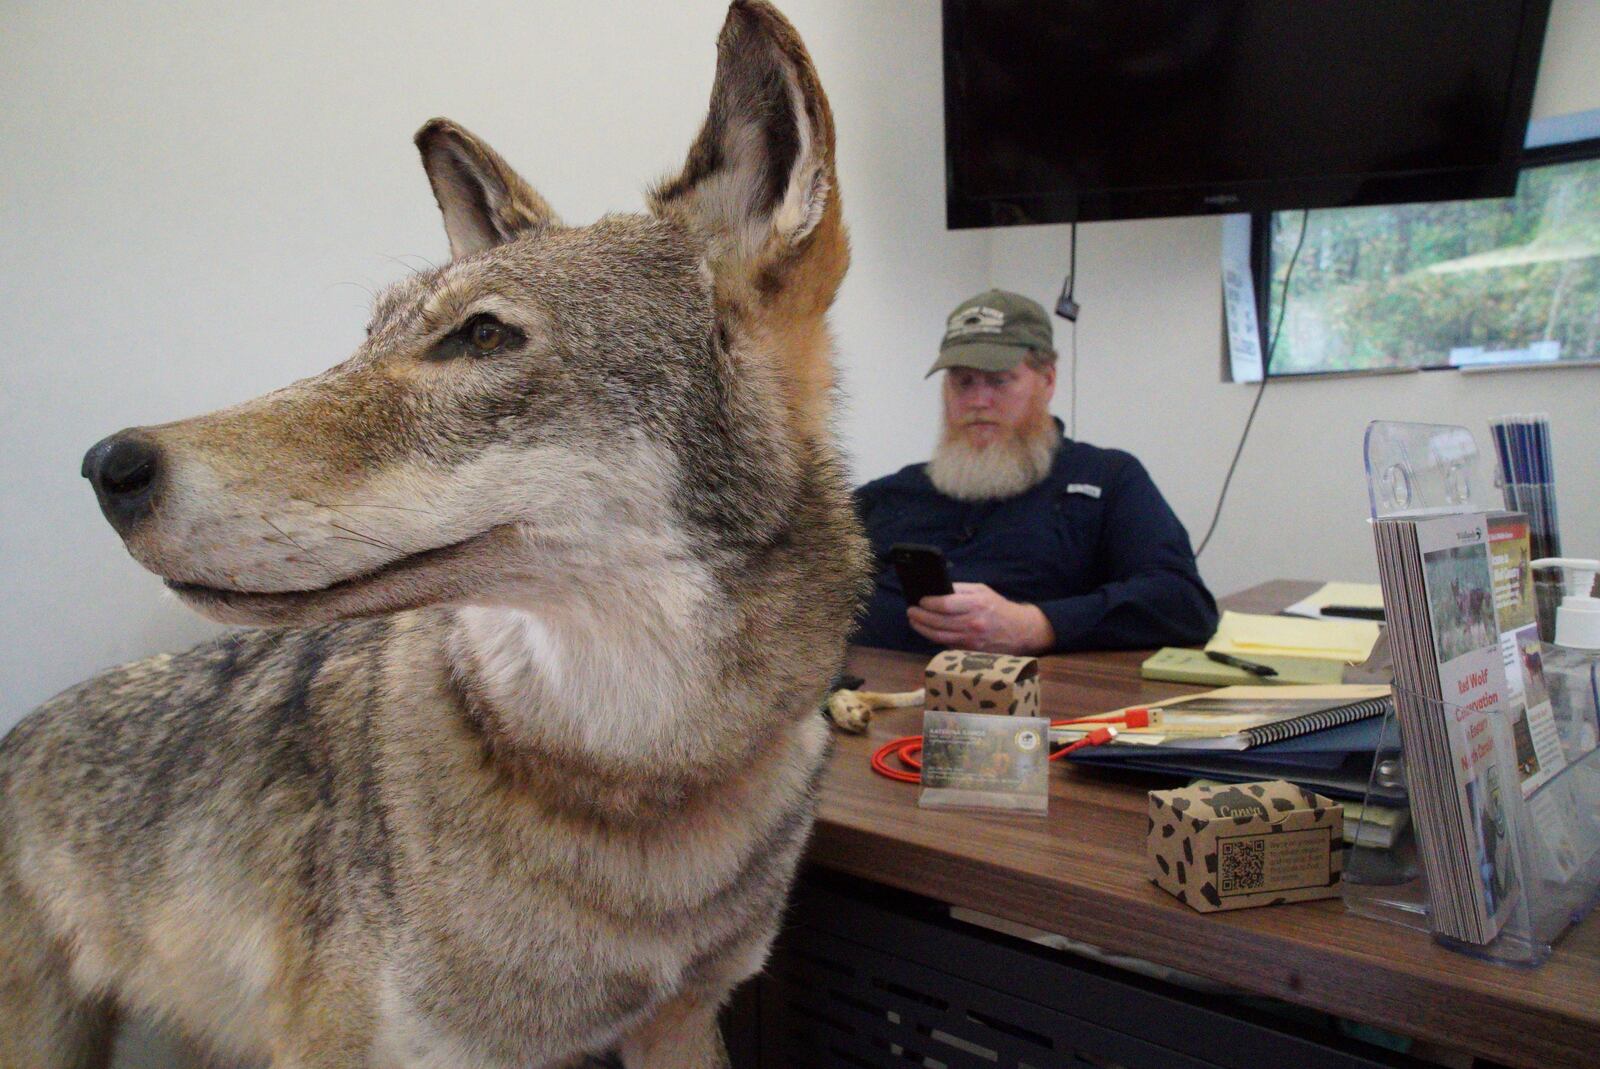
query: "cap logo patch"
979, 320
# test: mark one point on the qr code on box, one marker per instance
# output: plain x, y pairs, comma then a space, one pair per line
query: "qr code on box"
1243, 863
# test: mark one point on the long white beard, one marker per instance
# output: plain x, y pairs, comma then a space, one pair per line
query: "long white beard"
1005, 468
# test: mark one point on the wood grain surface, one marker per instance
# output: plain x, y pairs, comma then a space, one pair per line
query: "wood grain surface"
1081, 872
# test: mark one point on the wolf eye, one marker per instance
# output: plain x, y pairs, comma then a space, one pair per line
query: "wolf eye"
486, 334
481, 335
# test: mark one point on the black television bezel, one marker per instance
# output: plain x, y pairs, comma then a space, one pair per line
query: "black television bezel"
1498, 179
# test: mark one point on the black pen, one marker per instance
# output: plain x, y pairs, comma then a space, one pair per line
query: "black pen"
1354, 612
1252, 667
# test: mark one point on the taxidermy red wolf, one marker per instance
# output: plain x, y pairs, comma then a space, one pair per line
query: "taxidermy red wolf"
554, 572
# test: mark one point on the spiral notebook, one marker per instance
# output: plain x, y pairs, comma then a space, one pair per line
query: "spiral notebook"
1240, 718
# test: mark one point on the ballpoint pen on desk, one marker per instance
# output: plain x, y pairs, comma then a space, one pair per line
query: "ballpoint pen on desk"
1354, 612
1252, 667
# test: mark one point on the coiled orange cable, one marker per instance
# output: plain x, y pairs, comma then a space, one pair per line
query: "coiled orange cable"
908, 749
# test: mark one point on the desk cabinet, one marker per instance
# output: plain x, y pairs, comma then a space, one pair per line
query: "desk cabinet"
865, 977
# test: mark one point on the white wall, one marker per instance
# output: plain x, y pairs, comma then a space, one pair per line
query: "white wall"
197, 200
1149, 376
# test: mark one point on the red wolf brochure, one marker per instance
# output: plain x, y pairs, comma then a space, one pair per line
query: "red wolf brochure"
1476, 849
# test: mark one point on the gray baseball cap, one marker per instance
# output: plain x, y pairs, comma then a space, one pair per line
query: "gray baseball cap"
994, 331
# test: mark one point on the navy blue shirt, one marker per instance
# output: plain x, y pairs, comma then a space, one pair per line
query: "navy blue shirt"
1094, 545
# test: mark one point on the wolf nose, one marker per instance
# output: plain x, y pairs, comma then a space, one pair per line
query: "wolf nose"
122, 469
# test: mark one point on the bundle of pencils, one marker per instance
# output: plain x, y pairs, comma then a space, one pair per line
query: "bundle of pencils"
1528, 475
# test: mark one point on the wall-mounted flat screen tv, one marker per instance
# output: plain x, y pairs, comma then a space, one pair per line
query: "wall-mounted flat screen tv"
1078, 110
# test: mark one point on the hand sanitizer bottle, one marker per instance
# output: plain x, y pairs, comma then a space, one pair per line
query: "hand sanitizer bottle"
1572, 661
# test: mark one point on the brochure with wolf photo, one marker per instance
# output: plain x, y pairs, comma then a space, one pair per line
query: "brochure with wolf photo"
1539, 753
1460, 585
984, 761
1450, 688
1533, 722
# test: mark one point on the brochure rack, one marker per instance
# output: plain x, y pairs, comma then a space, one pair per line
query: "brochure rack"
1539, 856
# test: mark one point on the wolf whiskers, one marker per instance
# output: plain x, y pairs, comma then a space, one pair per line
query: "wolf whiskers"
414, 270
358, 533
360, 286
297, 545
352, 535
361, 505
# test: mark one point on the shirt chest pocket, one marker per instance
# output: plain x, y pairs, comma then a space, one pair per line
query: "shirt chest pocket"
1038, 548
1077, 522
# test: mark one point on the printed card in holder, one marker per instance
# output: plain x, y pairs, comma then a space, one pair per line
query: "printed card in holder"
982, 761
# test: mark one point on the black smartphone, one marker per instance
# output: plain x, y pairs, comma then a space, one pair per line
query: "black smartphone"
921, 569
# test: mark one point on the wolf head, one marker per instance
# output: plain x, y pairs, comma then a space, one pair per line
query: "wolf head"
556, 405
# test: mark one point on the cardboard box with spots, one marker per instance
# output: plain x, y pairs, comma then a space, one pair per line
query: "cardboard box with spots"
1245, 844
966, 682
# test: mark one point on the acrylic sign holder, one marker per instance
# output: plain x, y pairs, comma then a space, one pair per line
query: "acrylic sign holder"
1540, 853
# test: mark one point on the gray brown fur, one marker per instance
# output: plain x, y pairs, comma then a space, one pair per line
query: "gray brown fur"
524, 770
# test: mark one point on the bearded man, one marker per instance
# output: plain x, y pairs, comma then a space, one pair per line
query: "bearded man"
1053, 544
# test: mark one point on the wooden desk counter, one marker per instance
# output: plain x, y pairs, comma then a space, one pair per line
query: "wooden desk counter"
1080, 872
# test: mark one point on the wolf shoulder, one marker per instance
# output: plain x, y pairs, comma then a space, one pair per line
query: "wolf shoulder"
266, 700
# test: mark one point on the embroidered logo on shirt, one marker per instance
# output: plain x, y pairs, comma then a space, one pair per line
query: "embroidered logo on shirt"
1086, 489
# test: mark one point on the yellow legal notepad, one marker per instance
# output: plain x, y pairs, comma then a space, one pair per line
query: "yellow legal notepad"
1191, 666
1246, 635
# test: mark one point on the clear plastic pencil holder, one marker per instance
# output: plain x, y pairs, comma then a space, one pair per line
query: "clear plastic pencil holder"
1534, 859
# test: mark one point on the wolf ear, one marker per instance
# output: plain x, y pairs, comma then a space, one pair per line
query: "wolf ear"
483, 200
759, 182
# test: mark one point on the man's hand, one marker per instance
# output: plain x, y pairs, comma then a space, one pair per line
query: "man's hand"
976, 618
